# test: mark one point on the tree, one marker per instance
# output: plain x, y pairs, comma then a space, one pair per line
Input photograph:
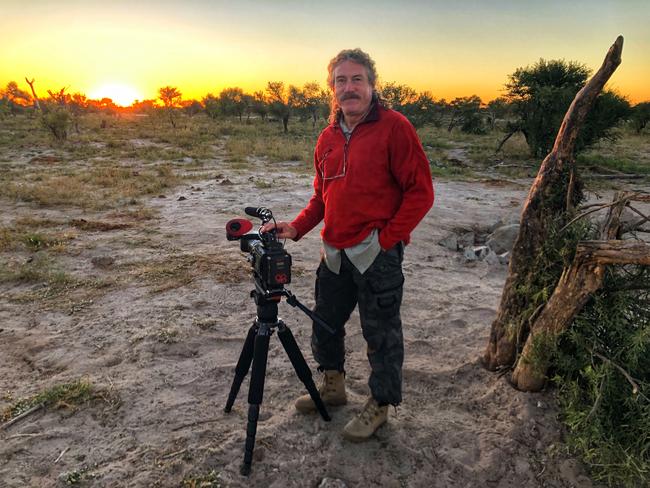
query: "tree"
640, 116
425, 110
549, 206
211, 104
397, 96
259, 105
233, 101
191, 107
315, 101
59, 98
171, 98
497, 109
15, 98
466, 113
78, 104
541, 94
279, 102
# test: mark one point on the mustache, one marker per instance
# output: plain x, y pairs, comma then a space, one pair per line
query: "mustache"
350, 96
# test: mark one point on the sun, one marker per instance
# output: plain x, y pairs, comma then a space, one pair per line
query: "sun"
121, 94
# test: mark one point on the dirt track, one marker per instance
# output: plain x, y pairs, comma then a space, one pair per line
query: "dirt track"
162, 353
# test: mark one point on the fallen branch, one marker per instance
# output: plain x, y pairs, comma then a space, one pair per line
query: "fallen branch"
61, 455
625, 198
173, 454
16, 436
624, 176
628, 377
26, 413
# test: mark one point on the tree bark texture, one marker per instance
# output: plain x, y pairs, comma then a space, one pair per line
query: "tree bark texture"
547, 199
572, 292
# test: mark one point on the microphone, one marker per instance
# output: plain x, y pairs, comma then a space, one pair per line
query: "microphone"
260, 212
236, 228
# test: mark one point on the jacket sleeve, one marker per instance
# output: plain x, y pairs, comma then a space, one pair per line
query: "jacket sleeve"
410, 168
313, 213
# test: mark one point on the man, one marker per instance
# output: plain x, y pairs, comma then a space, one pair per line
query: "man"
372, 187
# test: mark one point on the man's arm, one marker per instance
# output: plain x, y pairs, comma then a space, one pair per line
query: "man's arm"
410, 168
307, 219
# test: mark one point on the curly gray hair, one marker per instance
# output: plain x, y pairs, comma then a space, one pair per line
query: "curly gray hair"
356, 56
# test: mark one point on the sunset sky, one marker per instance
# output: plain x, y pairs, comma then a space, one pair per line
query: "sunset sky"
451, 48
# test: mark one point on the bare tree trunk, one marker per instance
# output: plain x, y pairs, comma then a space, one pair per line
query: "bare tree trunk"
36, 102
546, 200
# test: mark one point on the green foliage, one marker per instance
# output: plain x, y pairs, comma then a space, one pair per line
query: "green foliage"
67, 395
210, 480
465, 112
556, 253
640, 116
57, 120
608, 421
541, 94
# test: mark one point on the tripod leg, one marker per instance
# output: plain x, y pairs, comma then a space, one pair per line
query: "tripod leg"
300, 365
243, 365
255, 393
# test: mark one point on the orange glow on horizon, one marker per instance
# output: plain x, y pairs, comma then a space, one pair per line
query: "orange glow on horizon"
121, 94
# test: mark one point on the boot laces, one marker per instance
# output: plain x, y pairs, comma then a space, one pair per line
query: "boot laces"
328, 384
369, 412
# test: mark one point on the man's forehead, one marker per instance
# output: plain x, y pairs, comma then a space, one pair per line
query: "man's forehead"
350, 68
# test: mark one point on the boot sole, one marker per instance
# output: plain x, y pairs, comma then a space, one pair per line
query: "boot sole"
313, 408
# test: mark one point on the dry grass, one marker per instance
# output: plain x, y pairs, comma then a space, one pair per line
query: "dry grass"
180, 270
96, 188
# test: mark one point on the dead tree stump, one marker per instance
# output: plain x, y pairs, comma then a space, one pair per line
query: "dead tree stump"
551, 194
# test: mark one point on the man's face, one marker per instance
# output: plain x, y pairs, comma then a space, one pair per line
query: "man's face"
352, 89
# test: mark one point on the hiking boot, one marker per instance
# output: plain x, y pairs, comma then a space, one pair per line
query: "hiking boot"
332, 392
362, 426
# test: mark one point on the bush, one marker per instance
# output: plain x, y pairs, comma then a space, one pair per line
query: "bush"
598, 359
57, 121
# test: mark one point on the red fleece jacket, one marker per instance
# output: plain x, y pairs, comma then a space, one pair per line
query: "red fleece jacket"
380, 179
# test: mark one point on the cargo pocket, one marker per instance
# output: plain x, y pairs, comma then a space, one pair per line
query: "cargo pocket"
384, 287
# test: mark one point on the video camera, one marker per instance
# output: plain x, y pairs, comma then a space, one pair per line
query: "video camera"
271, 263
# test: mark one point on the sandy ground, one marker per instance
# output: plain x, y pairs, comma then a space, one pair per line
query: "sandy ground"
165, 359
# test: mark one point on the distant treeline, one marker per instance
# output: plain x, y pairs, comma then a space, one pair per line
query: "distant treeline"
534, 103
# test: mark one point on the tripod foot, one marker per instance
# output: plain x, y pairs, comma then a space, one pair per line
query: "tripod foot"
245, 469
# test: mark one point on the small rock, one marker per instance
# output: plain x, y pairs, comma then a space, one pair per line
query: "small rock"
102, 261
469, 254
466, 240
162, 196
492, 258
226, 181
181, 198
450, 242
332, 483
503, 238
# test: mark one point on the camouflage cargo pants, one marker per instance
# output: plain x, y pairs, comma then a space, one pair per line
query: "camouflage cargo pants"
378, 293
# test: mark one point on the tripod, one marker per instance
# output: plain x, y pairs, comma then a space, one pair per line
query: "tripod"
255, 351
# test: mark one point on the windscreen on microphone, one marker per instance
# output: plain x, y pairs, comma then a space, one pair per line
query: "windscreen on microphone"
236, 228
254, 211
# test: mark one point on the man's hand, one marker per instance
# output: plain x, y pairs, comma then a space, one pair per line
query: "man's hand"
284, 230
